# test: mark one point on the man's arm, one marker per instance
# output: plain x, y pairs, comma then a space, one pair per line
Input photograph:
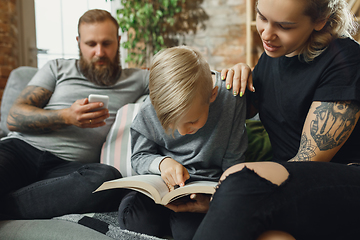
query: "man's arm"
27, 113
326, 129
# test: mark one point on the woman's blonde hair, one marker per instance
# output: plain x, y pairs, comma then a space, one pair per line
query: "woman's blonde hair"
340, 23
177, 76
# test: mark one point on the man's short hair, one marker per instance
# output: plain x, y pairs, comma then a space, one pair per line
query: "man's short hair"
177, 76
96, 15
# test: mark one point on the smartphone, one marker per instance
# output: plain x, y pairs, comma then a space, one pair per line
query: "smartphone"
99, 98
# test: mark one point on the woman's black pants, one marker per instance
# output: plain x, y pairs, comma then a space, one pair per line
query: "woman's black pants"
317, 201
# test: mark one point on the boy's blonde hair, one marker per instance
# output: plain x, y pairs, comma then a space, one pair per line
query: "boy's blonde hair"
177, 76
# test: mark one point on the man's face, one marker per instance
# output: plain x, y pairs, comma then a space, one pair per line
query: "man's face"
99, 52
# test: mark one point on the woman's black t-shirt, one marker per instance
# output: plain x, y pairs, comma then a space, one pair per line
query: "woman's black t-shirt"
286, 87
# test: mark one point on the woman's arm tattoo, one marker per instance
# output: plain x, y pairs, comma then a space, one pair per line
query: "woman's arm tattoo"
306, 150
333, 124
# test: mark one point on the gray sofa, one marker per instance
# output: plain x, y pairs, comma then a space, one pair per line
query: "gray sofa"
95, 226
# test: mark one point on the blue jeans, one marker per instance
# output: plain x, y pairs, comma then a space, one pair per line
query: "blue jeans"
38, 185
317, 201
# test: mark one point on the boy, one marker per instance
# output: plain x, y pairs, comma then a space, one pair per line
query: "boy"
191, 128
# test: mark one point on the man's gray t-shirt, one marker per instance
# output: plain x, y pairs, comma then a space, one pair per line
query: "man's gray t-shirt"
64, 79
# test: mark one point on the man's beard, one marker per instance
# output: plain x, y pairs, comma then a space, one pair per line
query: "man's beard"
105, 75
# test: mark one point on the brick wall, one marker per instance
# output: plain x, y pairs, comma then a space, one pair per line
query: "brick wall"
8, 40
223, 40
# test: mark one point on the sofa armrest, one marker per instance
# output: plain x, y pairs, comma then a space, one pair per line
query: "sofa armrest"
16, 82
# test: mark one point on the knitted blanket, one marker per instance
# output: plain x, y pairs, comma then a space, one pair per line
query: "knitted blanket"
105, 223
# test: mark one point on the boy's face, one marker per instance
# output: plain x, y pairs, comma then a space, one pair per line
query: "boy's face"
197, 115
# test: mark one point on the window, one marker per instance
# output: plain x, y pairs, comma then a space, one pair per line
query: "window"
56, 26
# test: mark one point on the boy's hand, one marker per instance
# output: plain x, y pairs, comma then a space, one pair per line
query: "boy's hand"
173, 173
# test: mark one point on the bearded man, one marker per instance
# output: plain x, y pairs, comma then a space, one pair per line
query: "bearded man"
49, 162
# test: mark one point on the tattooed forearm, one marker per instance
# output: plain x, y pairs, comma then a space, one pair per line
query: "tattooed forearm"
23, 122
27, 114
306, 150
333, 124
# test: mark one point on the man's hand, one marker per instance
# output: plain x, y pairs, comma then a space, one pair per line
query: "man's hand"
82, 114
173, 173
198, 203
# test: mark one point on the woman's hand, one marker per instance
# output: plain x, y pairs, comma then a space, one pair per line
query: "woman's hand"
198, 203
237, 78
173, 173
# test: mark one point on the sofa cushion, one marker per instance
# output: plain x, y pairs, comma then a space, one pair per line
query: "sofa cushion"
47, 229
116, 150
16, 82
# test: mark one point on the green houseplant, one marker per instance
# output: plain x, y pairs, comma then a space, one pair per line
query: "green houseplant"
156, 24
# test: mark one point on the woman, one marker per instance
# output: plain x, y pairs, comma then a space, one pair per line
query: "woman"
307, 94
307, 80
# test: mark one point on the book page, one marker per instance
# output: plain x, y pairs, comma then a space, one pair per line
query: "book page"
154, 187
158, 183
147, 184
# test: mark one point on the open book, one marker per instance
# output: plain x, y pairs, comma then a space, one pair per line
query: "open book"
154, 187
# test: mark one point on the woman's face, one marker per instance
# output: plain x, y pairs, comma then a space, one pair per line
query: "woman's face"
283, 27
